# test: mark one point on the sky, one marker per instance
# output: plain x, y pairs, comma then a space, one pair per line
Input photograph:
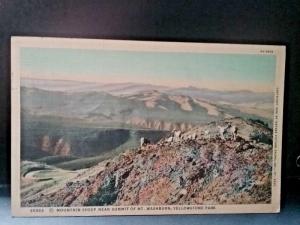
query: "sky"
174, 69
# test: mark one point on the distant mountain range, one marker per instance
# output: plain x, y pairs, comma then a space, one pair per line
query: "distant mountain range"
121, 89
140, 105
76, 86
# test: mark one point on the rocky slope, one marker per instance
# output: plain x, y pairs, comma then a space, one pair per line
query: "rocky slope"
192, 167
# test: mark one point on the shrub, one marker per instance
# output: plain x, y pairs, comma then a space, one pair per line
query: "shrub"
265, 124
261, 137
106, 195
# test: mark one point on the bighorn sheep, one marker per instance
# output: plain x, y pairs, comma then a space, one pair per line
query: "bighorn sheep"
194, 136
207, 134
233, 130
170, 139
230, 128
144, 141
222, 130
177, 133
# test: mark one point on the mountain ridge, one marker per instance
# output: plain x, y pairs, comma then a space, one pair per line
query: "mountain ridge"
148, 107
30, 82
198, 166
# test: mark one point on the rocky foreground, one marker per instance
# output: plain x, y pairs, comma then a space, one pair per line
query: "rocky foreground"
200, 166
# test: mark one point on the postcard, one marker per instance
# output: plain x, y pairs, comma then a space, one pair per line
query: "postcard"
115, 127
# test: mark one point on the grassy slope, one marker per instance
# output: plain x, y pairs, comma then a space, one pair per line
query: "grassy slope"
36, 177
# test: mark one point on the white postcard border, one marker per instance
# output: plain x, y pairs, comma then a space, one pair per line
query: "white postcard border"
18, 42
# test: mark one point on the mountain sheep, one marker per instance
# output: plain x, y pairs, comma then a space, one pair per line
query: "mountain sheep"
194, 136
207, 134
144, 141
177, 133
222, 130
233, 131
170, 139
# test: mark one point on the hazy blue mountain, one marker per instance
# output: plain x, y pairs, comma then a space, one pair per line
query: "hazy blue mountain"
120, 89
149, 110
234, 97
76, 86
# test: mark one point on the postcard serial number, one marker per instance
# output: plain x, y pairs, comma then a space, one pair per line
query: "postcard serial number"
266, 51
39, 210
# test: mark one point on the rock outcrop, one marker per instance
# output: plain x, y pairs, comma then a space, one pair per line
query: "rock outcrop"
60, 147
